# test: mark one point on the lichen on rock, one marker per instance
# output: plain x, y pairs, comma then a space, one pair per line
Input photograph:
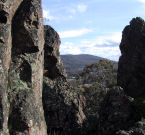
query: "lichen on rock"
22, 41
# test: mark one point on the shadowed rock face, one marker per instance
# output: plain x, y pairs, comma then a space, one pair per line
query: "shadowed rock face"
139, 129
116, 112
52, 62
21, 63
62, 105
131, 64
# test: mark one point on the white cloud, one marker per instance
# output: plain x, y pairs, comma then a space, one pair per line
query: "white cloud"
46, 15
85, 42
142, 1
106, 46
69, 48
79, 8
74, 33
72, 11
70, 17
108, 39
112, 53
103, 46
82, 8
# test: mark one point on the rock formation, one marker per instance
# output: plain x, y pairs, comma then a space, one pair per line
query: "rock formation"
62, 105
7, 10
21, 70
138, 129
21, 63
116, 112
33, 105
131, 64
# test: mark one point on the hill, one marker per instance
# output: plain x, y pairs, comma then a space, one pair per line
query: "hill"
75, 63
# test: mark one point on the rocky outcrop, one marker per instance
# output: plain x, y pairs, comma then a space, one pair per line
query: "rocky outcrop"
21, 63
33, 105
7, 10
53, 66
122, 108
22, 68
116, 112
131, 71
131, 64
139, 129
62, 105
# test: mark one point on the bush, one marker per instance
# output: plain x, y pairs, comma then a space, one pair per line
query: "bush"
139, 105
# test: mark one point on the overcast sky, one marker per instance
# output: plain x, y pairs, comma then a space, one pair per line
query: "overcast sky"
91, 26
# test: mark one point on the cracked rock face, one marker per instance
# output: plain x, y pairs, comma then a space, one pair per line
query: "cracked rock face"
21, 63
7, 10
131, 63
63, 107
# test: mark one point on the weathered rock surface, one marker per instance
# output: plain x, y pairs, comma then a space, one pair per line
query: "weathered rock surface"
131, 64
7, 10
63, 107
116, 112
21, 68
22, 101
139, 129
52, 60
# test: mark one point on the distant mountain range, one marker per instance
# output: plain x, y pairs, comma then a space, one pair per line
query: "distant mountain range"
75, 63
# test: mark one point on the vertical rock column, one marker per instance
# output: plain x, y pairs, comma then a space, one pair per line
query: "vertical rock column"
63, 106
7, 10
26, 71
131, 68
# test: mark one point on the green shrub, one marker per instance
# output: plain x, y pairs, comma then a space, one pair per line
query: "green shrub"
139, 105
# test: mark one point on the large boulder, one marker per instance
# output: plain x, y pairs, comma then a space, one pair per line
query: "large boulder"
132, 61
63, 106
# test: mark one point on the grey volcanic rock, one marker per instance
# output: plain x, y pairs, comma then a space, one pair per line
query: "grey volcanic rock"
7, 10
139, 129
131, 64
63, 107
116, 112
21, 68
52, 58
